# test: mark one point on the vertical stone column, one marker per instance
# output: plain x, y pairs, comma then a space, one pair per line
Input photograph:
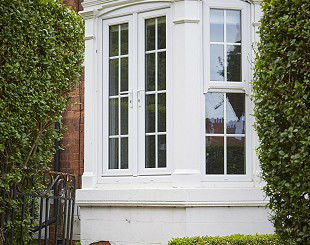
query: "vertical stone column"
89, 175
187, 92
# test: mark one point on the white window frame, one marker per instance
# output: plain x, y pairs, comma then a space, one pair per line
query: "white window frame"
142, 170
136, 84
230, 87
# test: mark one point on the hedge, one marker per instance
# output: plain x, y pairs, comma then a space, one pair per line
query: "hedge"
41, 55
228, 240
282, 110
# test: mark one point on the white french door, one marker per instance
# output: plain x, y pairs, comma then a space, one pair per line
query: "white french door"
135, 94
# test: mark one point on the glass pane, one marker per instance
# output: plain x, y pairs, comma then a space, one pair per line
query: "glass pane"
235, 113
150, 72
113, 40
124, 115
113, 77
215, 155
124, 39
124, 74
161, 25
215, 113
113, 153
233, 27
234, 63
217, 62
217, 25
162, 149
124, 153
236, 155
150, 34
113, 117
161, 107
150, 161
161, 66
150, 113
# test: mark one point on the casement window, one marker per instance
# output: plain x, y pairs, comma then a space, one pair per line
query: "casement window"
227, 130
135, 94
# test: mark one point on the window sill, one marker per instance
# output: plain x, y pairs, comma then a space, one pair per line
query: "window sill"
172, 197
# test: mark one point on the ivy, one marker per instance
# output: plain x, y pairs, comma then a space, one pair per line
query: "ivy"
282, 110
41, 54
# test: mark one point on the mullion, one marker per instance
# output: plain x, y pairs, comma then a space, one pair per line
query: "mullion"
225, 137
156, 96
225, 48
119, 99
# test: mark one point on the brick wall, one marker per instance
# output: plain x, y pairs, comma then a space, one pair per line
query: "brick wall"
72, 158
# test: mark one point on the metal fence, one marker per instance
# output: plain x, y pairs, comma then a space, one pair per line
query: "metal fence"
47, 216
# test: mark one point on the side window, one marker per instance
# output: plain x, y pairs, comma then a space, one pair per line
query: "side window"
155, 93
226, 134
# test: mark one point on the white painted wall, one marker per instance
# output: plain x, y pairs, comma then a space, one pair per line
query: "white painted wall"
151, 209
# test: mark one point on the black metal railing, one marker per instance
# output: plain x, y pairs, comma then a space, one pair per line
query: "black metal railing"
40, 217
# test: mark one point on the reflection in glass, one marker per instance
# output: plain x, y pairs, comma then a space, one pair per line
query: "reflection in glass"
124, 39
215, 155
113, 77
161, 107
217, 25
150, 161
113, 117
235, 113
113, 40
214, 113
161, 26
233, 29
113, 153
150, 113
234, 63
150, 72
124, 153
217, 62
236, 155
161, 71
124, 116
124, 74
150, 34
162, 149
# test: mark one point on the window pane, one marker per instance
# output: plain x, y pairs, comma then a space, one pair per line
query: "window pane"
113, 117
162, 149
124, 115
150, 34
217, 62
215, 155
161, 26
124, 74
234, 63
113, 42
113, 77
161, 107
233, 27
235, 155
235, 113
217, 25
150, 161
150, 72
124, 153
150, 113
124, 39
113, 153
161, 66
215, 113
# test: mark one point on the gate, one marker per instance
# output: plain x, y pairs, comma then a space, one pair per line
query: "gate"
46, 216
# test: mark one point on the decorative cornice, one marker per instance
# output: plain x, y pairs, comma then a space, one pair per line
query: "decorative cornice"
88, 14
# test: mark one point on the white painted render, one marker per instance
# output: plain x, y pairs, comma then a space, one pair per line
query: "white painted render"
139, 206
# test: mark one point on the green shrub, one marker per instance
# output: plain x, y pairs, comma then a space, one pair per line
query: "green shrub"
282, 110
41, 53
228, 240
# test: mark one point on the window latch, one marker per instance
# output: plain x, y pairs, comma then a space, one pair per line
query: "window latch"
140, 97
130, 99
